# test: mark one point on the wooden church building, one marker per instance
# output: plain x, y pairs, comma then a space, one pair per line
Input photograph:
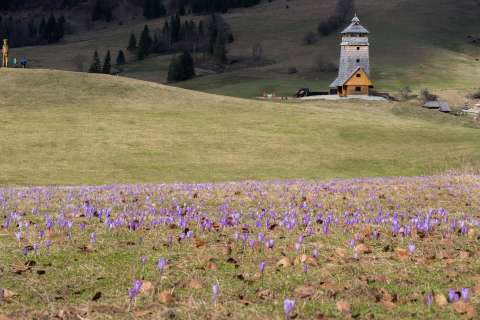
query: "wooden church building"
354, 68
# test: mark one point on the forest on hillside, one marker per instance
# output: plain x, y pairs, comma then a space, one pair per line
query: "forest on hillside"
179, 6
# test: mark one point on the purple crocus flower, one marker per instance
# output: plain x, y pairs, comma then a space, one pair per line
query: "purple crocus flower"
261, 267
288, 305
161, 264
215, 292
452, 296
135, 290
260, 237
297, 246
465, 294
270, 243
429, 299
305, 268
315, 253
412, 248
143, 259
93, 237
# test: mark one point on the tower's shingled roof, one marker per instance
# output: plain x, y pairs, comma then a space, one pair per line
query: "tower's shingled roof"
355, 27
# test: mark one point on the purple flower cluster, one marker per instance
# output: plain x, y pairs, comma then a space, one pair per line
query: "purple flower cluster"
251, 214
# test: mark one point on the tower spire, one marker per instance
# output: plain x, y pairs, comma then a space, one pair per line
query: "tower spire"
355, 19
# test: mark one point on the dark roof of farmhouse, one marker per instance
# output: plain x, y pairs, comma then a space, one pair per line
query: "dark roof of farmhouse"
355, 27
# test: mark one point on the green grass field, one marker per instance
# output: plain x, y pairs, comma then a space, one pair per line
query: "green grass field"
75, 128
422, 44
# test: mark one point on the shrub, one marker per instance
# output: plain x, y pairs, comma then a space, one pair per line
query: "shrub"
309, 38
405, 93
324, 66
427, 96
292, 70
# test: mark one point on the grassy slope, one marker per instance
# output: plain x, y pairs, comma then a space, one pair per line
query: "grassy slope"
69, 128
415, 43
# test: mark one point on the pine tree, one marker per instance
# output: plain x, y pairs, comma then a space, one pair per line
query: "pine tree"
107, 11
187, 66
120, 58
159, 9
220, 49
50, 29
144, 44
132, 43
181, 68
174, 72
97, 11
95, 67
147, 9
107, 64
212, 30
61, 26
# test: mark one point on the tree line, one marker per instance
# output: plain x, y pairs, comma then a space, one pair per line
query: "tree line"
36, 4
33, 31
210, 37
102, 9
211, 6
182, 38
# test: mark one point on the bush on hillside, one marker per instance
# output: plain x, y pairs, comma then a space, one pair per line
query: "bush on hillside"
405, 93
322, 65
181, 68
309, 38
292, 70
426, 96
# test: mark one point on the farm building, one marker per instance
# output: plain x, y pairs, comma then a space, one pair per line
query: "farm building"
354, 68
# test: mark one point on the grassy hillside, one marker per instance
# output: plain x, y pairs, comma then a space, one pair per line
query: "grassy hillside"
73, 128
416, 43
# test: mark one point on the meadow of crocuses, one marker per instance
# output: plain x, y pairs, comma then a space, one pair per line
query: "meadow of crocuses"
367, 248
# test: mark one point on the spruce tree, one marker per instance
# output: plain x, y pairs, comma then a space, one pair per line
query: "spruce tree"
181, 68
186, 65
147, 9
120, 58
144, 44
174, 72
50, 29
61, 27
220, 49
97, 11
107, 64
212, 30
107, 12
95, 67
132, 43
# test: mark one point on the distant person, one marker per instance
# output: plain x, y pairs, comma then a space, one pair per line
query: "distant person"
14, 62
23, 62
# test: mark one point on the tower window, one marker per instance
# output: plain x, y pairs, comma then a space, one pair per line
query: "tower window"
358, 60
358, 75
358, 48
358, 89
